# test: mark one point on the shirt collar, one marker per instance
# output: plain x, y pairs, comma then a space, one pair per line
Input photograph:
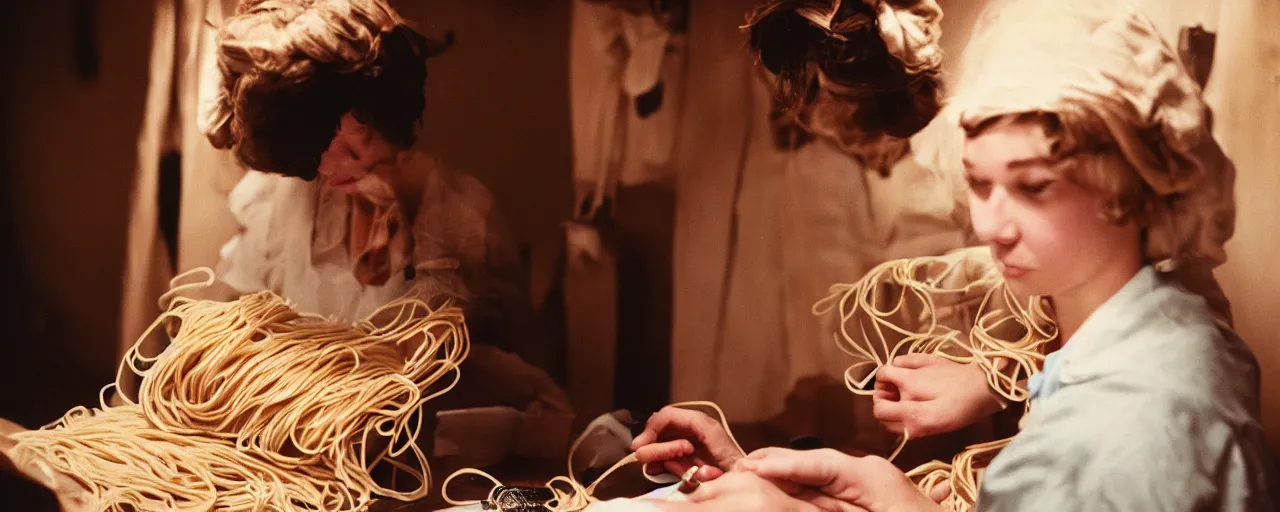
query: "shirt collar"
1107, 324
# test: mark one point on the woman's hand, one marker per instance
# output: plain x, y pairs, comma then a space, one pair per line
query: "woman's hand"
678, 439
747, 491
927, 395
832, 480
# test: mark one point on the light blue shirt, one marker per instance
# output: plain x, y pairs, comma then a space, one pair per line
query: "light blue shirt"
1149, 406
1048, 380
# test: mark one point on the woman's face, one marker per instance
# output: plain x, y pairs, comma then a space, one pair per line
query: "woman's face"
1046, 233
355, 152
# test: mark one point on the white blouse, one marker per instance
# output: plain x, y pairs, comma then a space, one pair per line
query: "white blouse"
293, 242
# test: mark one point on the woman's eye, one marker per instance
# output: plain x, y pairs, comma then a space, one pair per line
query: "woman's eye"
980, 187
352, 153
1035, 189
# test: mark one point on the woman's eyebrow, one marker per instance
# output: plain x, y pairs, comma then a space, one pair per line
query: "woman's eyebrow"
1020, 164
1027, 163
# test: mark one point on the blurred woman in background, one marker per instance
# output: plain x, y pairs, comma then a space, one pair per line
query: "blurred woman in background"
322, 100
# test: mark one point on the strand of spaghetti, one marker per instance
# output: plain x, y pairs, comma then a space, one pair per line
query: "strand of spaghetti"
577, 497
930, 475
176, 289
724, 419
906, 436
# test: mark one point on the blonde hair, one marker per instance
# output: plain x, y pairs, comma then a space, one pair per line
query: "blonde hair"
1080, 142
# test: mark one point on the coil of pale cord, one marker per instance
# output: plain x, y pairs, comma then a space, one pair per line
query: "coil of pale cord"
976, 321
254, 406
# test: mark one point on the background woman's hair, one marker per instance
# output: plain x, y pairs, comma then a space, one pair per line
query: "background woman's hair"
801, 42
292, 68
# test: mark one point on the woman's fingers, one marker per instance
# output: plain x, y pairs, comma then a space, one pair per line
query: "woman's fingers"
674, 419
813, 468
664, 451
940, 492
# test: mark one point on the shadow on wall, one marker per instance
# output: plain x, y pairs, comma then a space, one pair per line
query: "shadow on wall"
498, 103
72, 88
70, 143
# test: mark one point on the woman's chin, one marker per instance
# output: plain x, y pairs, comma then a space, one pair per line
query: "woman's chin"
344, 186
348, 188
1022, 288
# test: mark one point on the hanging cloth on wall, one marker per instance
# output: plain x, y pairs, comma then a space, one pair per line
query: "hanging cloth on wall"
590, 293
626, 76
590, 288
183, 74
146, 271
208, 174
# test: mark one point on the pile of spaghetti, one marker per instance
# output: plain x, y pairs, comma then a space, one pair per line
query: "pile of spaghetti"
954, 306
254, 406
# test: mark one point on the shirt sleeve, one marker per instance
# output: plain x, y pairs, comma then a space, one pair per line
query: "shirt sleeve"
500, 304
1107, 448
246, 259
464, 249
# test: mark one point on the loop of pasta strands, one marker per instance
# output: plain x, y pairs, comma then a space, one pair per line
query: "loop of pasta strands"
984, 297
177, 286
963, 474
569, 494
254, 406
860, 304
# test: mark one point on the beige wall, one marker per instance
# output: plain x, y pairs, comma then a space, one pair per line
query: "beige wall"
498, 102
1245, 93
70, 148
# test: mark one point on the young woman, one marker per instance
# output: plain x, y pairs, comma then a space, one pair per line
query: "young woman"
340, 215
1095, 181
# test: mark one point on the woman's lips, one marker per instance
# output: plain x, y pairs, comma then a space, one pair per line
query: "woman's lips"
345, 185
1012, 271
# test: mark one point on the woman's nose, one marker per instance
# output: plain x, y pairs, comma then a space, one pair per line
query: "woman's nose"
331, 169
992, 221
326, 168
